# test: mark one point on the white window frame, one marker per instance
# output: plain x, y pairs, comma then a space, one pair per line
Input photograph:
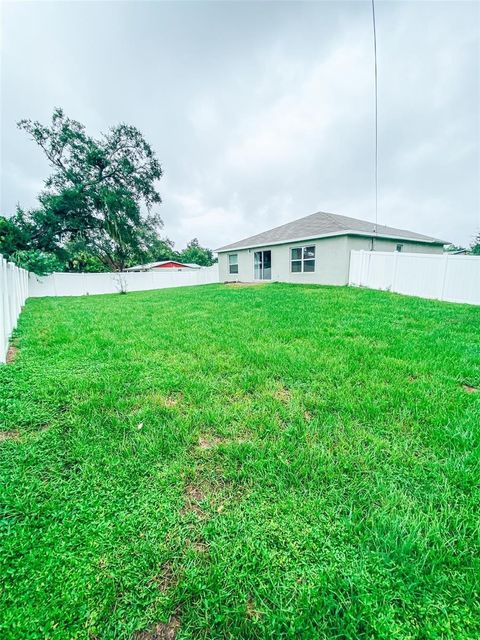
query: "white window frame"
235, 264
302, 259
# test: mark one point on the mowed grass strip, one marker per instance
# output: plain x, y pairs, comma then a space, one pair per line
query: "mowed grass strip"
254, 462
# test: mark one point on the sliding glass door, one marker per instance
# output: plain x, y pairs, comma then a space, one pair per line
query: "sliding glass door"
262, 265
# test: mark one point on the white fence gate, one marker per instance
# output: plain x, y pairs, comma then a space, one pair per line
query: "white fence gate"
13, 293
444, 276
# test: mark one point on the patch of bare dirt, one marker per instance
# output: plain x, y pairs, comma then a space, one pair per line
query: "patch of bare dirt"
193, 498
469, 389
166, 579
194, 493
209, 442
161, 631
307, 415
252, 613
171, 401
283, 394
9, 435
198, 545
11, 354
168, 401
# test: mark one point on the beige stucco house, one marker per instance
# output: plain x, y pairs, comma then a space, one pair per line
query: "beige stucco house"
315, 249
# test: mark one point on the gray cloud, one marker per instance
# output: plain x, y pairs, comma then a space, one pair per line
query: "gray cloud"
260, 112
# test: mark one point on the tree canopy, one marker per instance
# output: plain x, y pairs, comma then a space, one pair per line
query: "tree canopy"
197, 254
101, 193
97, 211
475, 246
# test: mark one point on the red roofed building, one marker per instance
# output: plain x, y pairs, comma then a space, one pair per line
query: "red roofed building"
164, 264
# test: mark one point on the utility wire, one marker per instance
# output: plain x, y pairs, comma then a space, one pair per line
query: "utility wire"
376, 116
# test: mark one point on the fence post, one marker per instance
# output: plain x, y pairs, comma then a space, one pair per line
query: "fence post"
444, 276
11, 310
3, 309
13, 293
369, 261
360, 270
395, 266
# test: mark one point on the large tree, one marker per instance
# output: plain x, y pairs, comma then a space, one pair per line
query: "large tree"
197, 254
101, 192
14, 234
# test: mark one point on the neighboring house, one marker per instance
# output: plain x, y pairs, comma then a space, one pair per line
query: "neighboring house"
164, 265
314, 249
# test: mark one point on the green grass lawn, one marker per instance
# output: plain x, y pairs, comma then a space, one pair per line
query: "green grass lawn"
260, 462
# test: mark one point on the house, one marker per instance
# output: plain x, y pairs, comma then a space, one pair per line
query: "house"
314, 249
164, 265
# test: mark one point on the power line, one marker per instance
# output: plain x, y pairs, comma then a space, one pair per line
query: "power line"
376, 116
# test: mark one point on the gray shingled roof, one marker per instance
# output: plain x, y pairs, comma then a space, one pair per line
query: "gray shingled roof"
325, 224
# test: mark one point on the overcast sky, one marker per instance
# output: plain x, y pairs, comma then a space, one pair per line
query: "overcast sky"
260, 112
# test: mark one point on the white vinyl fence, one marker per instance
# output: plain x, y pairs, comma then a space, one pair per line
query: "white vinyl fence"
453, 278
16, 285
82, 284
13, 293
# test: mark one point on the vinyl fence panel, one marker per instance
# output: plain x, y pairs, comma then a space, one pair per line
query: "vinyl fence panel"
17, 284
442, 276
82, 284
13, 293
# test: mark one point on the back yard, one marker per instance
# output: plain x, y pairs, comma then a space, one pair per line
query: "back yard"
277, 461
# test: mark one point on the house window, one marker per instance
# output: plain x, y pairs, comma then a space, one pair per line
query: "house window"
233, 263
399, 247
302, 259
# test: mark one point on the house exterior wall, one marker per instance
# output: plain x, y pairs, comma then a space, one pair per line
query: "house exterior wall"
383, 244
332, 259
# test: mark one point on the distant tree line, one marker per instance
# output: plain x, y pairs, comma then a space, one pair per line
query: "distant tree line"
473, 249
96, 211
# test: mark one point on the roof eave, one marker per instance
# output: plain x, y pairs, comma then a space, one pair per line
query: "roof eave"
372, 234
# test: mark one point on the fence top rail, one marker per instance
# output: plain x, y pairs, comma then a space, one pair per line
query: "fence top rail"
426, 256
121, 274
